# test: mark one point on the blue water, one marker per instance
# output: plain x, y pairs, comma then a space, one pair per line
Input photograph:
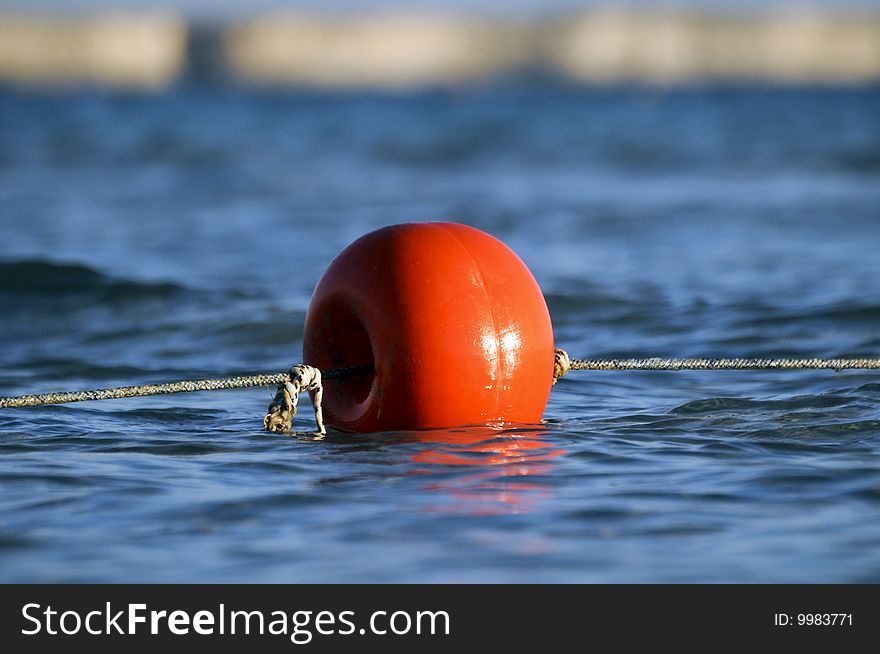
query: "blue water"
156, 237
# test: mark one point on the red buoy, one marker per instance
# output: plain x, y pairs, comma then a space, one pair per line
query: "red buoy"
452, 321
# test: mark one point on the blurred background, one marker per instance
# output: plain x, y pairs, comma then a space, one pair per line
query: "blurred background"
403, 44
697, 178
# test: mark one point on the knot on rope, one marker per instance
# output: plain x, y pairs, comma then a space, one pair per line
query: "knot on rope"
561, 364
282, 409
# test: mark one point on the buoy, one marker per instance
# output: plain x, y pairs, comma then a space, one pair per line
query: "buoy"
452, 321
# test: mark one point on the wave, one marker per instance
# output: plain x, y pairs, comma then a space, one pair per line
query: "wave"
868, 313
46, 279
721, 404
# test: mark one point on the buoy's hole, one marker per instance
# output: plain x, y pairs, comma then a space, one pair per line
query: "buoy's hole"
349, 345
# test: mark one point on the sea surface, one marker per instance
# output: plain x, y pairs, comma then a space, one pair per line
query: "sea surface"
148, 238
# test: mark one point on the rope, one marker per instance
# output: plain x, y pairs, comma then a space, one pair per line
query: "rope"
562, 364
251, 381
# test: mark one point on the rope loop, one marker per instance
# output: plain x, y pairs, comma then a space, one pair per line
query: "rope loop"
282, 408
561, 364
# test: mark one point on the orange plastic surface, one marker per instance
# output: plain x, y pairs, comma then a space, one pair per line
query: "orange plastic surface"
452, 321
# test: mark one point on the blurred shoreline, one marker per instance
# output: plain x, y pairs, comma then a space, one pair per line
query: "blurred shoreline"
154, 50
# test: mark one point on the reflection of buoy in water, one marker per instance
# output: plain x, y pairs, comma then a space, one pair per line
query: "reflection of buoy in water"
521, 449
501, 466
453, 323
